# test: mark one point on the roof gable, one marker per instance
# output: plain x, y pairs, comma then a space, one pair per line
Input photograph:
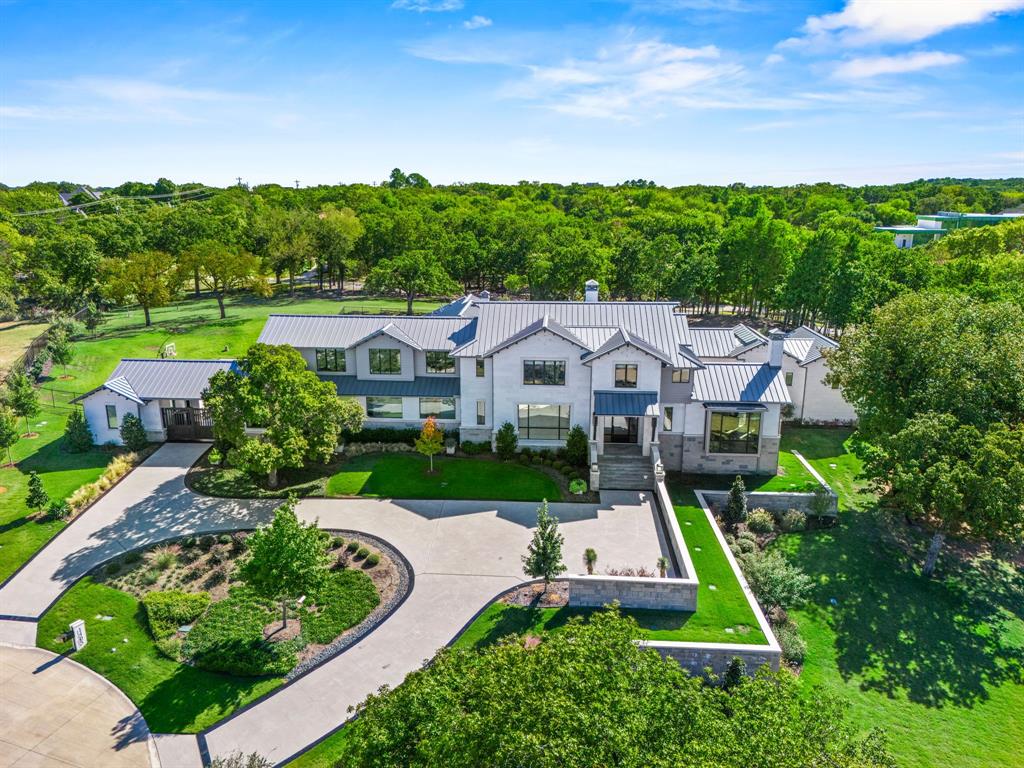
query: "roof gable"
740, 383
544, 323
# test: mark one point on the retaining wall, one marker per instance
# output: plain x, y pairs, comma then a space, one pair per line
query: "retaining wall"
696, 657
633, 592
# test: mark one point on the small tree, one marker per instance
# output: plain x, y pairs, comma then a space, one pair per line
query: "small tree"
662, 566
775, 581
431, 440
590, 559
60, 349
736, 506
133, 433
8, 431
78, 438
37, 497
543, 558
287, 559
258, 457
506, 441
22, 396
734, 673
577, 446
412, 274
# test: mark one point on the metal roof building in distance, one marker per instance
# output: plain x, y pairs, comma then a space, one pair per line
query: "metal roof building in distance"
433, 332
142, 379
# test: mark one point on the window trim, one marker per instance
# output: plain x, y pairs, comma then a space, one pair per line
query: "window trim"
789, 378
668, 413
447, 370
680, 375
322, 352
563, 433
543, 363
401, 413
481, 412
481, 368
391, 351
111, 411
625, 383
439, 415
727, 412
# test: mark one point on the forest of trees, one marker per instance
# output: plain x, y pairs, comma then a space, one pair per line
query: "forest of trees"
804, 253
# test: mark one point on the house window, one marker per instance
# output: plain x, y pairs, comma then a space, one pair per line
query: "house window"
438, 407
481, 412
549, 372
681, 376
330, 360
384, 407
112, 417
667, 421
386, 362
480, 369
625, 375
440, 362
789, 378
543, 422
734, 432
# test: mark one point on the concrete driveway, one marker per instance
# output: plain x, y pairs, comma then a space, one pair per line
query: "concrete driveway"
462, 554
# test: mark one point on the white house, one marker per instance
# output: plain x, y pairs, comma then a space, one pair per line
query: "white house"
165, 394
804, 364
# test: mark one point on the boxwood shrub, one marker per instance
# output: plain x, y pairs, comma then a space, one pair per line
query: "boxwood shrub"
166, 611
346, 599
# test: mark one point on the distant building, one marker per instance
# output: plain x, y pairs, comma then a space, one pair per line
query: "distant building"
931, 227
77, 197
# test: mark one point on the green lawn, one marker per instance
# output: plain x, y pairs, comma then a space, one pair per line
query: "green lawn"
173, 697
324, 755
792, 477
405, 476
936, 662
15, 336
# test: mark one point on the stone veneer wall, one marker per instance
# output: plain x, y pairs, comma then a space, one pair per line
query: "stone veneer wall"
695, 657
774, 502
694, 459
633, 592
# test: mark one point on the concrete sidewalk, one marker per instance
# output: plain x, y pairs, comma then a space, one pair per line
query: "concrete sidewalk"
462, 554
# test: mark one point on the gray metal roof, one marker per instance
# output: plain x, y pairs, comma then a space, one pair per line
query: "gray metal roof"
623, 338
655, 322
455, 308
806, 344
740, 383
343, 331
163, 379
543, 323
421, 386
724, 342
621, 403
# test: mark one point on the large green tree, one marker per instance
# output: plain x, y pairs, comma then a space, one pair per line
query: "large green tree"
412, 274
149, 279
224, 269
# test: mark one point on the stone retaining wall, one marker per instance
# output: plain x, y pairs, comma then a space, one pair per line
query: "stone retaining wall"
774, 502
633, 592
696, 657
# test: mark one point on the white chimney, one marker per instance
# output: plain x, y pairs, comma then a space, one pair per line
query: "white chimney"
484, 296
590, 292
775, 341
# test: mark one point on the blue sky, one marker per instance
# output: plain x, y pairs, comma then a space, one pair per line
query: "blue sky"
679, 91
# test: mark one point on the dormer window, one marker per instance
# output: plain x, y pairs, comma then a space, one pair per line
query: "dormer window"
385, 362
440, 362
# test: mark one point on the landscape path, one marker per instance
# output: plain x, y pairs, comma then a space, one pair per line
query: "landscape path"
462, 554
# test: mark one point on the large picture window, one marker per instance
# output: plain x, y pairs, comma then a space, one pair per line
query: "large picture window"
438, 407
543, 422
549, 372
734, 432
440, 362
330, 360
384, 407
625, 375
386, 362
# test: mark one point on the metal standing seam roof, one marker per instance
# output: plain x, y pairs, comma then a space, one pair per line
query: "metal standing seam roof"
543, 323
455, 308
740, 383
420, 386
435, 332
623, 338
621, 403
806, 344
141, 379
725, 342
655, 322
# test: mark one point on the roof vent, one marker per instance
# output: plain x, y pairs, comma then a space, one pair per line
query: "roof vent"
590, 291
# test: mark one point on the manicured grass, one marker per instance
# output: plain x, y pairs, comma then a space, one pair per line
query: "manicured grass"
229, 482
938, 663
405, 476
324, 755
173, 697
792, 477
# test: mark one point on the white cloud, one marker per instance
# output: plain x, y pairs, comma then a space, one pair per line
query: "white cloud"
873, 66
865, 22
774, 58
477, 22
428, 6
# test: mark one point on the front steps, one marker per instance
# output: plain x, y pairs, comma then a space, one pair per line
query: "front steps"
625, 471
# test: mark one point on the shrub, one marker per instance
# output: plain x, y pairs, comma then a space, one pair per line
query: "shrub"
77, 435
506, 441
59, 510
132, 557
239, 760
793, 520
224, 538
162, 558
537, 459
150, 577
386, 435
37, 497
352, 546
170, 647
746, 546
238, 542
577, 447
578, 486
371, 560
735, 549
206, 543
794, 647
166, 611
775, 581
471, 448
525, 459
746, 535
133, 434
736, 506
337, 542
362, 553
111, 568
118, 467
761, 521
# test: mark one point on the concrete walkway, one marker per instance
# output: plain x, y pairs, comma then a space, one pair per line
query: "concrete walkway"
462, 554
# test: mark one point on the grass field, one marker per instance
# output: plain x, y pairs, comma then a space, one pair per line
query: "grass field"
172, 697
15, 336
405, 476
938, 663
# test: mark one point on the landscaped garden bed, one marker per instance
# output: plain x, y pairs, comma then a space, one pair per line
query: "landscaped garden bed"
189, 643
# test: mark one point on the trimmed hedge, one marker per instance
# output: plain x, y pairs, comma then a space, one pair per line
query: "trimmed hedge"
166, 611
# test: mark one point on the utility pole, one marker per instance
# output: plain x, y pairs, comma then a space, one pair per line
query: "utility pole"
239, 180
296, 183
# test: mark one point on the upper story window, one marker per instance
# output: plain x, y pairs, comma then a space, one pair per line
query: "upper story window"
386, 362
732, 432
681, 376
440, 362
481, 369
330, 360
549, 372
789, 378
625, 375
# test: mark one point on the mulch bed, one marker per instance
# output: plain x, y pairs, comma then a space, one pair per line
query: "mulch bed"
535, 596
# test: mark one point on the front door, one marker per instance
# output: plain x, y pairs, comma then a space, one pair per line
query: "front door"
621, 429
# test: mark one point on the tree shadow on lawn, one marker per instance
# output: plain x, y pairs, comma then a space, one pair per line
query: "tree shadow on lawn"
937, 641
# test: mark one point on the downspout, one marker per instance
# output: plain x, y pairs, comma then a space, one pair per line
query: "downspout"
803, 399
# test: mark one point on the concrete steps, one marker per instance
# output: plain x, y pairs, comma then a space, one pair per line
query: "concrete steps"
626, 472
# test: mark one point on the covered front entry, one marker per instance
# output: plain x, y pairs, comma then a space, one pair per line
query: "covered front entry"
187, 424
621, 429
